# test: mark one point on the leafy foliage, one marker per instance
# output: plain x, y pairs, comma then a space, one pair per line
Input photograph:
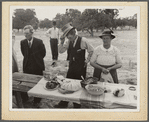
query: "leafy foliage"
24, 17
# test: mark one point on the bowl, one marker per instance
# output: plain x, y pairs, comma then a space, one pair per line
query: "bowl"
89, 80
51, 89
94, 89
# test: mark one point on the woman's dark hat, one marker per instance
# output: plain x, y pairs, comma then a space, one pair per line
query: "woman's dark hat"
66, 28
107, 33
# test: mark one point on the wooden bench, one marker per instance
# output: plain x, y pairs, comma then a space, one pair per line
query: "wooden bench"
23, 83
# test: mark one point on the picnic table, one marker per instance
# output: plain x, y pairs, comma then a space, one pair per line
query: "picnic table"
34, 86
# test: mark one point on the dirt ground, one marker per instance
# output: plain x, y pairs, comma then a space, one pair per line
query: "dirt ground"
125, 41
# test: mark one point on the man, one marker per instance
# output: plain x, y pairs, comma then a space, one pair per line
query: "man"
77, 64
66, 41
53, 33
33, 51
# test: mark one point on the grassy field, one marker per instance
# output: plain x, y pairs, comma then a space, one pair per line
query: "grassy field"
125, 41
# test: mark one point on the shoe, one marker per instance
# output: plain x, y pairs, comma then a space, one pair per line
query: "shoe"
53, 64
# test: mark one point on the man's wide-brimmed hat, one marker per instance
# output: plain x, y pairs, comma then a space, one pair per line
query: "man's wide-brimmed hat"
107, 33
66, 29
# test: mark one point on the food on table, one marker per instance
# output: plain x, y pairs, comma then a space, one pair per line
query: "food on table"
51, 85
90, 80
60, 77
94, 89
71, 85
119, 92
63, 91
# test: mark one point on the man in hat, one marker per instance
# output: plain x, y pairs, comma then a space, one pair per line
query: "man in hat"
106, 58
33, 51
53, 33
77, 47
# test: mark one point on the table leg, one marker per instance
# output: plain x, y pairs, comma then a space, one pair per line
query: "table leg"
19, 99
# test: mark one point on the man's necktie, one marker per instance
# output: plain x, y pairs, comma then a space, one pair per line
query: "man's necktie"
29, 44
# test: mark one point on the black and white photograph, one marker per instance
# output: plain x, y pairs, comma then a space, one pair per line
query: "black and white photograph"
75, 58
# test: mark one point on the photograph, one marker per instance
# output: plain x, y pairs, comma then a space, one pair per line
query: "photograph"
74, 61
82, 57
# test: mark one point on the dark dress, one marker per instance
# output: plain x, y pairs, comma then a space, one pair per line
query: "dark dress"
33, 60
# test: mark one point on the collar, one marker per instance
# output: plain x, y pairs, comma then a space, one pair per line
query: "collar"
54, 28
30, 40
107, 50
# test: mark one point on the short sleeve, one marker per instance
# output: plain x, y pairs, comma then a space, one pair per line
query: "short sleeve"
86, 45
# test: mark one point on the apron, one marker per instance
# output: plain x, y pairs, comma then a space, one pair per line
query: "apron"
113, 72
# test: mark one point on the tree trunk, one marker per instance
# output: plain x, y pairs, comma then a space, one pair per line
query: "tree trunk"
103, 28
92, 33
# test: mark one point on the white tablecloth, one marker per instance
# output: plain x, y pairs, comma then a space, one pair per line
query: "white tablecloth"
108, 99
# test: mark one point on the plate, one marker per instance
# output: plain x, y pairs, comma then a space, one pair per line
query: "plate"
44, 86
63, 91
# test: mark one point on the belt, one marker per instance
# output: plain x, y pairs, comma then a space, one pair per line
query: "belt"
53, 38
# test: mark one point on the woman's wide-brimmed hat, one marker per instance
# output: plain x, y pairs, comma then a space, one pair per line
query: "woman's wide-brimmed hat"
107, 33
65, 29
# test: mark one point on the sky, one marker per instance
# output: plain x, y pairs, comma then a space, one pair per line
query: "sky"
50, 12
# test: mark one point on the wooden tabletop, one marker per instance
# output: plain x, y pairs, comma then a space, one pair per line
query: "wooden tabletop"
24, 82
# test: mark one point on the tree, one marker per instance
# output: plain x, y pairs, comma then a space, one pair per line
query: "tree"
46, 23
34, 22
22, 17
88, 20
73, 14
113, 13
103, 20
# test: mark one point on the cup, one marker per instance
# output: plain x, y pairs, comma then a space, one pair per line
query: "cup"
47, 75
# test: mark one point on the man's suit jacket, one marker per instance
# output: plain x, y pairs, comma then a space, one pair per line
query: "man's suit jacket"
38, 49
